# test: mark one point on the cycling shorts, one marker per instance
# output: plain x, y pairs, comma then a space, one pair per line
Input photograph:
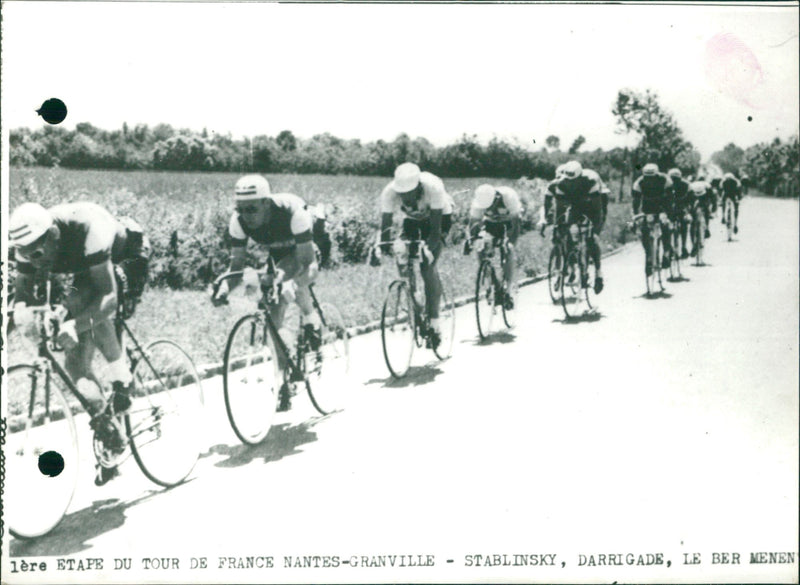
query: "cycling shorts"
591, 207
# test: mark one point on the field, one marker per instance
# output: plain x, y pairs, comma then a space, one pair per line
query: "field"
186, 217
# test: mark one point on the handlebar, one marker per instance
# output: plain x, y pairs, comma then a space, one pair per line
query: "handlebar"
251, 278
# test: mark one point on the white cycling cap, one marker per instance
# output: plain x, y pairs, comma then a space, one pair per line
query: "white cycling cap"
406, 177
650, 169
28, 223
484, 195
252, 187
572, 169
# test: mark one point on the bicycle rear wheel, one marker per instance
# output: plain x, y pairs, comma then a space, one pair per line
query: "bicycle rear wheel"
674, 261
654, 284
41, 465
572, 294
398, 328
164, 420
699, 238
729, 218
485, 297
249, 379
327, 382
447, 326
555, 269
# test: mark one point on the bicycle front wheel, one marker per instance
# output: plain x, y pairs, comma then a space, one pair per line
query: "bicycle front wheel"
250, 380
447, 326
699, 238
397, 328
485, 297
328, 386
674, 261
555, 270
571, 293
41, 466
164, 420
729, 218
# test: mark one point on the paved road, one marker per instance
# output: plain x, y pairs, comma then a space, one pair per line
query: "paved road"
665, 425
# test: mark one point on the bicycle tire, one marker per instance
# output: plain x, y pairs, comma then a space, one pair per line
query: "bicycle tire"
485, 296
327, 383
164, 421
398, 328
250, 379
447, 326
675, 261
572, 295
590, 274
555, 269
699, 239
729, 218
35, 503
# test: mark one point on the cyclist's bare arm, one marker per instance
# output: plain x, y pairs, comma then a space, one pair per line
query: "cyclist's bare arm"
386, 227
515, 229
237, 264
435, 237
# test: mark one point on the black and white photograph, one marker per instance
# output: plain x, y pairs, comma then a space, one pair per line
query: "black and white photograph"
400, 292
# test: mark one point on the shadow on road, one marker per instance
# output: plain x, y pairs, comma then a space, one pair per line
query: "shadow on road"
77, 529
680, 278
653, 296
416, 376
502, 337
591, 317
283, 440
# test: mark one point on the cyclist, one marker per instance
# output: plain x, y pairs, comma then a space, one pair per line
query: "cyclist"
427, 210
702, 194
731, 189
108, 259
581, 190
497, 210
283, 224
651, 194
716, 186
745, 180
679, 207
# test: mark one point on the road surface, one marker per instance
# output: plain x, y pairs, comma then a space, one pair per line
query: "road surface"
666, 425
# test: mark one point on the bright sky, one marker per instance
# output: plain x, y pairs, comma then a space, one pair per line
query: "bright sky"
374, 71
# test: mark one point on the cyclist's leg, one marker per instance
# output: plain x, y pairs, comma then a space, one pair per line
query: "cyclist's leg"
666, 238
736, 214
646, 245
78, 363
312, 323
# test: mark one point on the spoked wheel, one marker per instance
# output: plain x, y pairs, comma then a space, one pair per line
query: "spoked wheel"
675, 259
654, 284
327, 382
729, 218
572, 295
398, 329
250, 380
590, 276
447, 326
555, 269
699, 239
164, 422
485, 299
41, 454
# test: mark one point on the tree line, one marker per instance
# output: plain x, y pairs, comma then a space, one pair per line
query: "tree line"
162, 147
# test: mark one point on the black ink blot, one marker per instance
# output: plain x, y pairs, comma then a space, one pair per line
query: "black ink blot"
749, 118
51, 463
53, 111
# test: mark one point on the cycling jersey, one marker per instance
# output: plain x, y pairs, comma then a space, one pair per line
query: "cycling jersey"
505, 206
679, 195
588, 184
731, 188
88, 235
290, 223
417, 203
650, 192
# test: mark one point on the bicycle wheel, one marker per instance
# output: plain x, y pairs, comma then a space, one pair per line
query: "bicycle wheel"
164, 420
41, 464
675, 261
729, 218
398, 328
589, 276
572, 294
249, 379
508, 313
485, 298
555, 268
654, 278
699, 238
447, 326
327, 382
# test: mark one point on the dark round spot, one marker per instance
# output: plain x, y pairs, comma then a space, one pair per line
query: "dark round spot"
53, 111
749, 118
51, 463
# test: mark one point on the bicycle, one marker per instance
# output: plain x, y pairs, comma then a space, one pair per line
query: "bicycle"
555, 263
727, 216
252, 374
698, 232
491, 292
678, 244
158, 429
656, 247
576, 290
404, 319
